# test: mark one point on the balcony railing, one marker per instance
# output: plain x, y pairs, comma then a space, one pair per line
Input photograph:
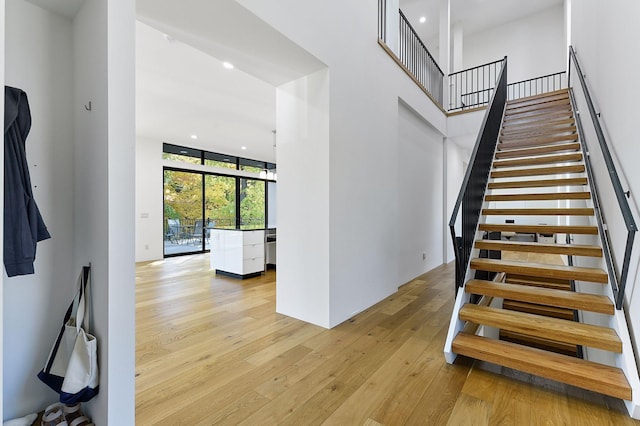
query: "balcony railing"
416, 57
411, 53
473, 87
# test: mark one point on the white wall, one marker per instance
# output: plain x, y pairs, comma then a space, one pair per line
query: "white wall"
603, 36
535, 45
363, 115
302, 121
38, 59
81, 168
419, 195
457, 159
149, 200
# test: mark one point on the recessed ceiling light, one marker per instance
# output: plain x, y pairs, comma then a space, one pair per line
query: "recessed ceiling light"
227, 65
244, 148
423, 19
194, 136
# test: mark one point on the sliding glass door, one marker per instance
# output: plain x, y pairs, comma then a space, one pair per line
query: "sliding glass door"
183, 224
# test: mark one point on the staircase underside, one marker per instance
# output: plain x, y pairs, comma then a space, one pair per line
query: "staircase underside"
538, 183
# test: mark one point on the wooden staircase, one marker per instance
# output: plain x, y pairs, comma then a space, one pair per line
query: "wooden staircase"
538, 161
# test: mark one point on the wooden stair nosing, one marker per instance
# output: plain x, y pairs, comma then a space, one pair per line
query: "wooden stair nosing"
545, 149
539, 343
538, 229
539, 96
542, 296
529, 247
539, 212
593, 336
576, 273
539, 183
539, 196
532, 161
538, 171
544, 310
551, 104
514, 106
562, 368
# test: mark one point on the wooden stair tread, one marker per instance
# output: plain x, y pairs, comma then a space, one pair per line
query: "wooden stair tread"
538, 171
540, 343
562, 368
518, 103
510, 143
546, 159
533, 308
576, 273
541, 150
539, 212
541, 106
539, 229
529, 247
539, 326
548, 124
535, 131
538, 119
533, 282
581, 195
542, 296
581, 181
564, 108
541, 96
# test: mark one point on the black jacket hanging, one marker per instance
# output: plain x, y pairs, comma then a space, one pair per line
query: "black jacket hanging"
23, 224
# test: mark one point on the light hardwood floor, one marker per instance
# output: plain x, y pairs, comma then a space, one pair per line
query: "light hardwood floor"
212, 350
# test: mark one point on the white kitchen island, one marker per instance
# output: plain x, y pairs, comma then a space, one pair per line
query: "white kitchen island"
237, 253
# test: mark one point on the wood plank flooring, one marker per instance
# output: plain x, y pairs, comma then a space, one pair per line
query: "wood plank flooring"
212, 350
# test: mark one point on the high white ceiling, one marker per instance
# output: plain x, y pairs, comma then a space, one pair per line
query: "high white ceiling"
472, 15
183, 89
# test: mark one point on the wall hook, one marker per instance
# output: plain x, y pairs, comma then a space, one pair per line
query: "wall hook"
88, 108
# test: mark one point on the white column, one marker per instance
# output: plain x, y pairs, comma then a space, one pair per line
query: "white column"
444, 42
457, 60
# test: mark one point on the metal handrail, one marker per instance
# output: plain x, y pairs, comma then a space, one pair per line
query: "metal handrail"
477, 174
618, 284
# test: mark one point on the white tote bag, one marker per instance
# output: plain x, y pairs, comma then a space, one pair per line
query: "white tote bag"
72, 366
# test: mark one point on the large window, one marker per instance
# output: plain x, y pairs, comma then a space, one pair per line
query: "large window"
196, 202
252, 204
220, 201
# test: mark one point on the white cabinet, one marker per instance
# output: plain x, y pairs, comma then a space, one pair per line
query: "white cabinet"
237, 253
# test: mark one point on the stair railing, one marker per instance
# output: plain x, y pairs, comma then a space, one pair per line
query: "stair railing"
618, 281
475, 181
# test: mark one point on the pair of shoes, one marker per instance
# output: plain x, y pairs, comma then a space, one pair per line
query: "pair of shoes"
53, 416
64, 415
